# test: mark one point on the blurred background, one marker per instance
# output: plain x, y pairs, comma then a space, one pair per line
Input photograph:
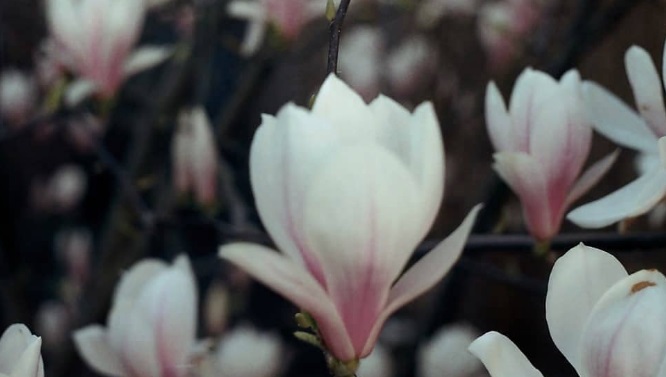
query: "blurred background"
87, 190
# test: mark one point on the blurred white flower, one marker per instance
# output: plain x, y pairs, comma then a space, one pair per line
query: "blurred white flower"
378, 364
446, 354
429, 12
18, 95
409, 64
66, 187
52, 321
246, 352
360, 60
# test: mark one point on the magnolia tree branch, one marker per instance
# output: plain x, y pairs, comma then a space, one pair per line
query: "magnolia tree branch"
335, 29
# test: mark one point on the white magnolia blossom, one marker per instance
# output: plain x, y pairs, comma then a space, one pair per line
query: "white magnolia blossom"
606, 322
643, 133
446, 353
18, 93
246, 352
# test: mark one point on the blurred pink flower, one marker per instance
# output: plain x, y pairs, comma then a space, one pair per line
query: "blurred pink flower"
20, 354
151, 326
288, 16
542, 143
194, 156
605, 322
96, 38
347, 191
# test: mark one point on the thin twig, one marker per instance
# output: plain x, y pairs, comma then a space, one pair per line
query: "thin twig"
335, 29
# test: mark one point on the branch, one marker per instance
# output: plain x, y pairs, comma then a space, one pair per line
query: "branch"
335, 29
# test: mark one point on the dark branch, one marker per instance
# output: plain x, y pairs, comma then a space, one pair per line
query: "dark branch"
335, 29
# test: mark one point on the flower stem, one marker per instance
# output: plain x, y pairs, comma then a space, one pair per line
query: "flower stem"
335, 28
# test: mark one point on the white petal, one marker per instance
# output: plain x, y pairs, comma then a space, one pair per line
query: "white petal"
29, 364
251, 10
532, 92
93, 346
355, 215
498, 121
63, 18
578, 280
286, 152
425, 273
625, 333
135, 279
357, 122
144, 58
291, 281
632, 200
647, 88
416, 139
15, 339
616, 121
501, 356
590, 177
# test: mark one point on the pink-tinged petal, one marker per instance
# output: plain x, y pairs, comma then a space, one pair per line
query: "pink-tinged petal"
498, 120
356, 219
290, 280
93, 346
357, 123
525, 177
170, 302
532, 91
144, 58
204, 157
560, 139
501, 356
135, 279
625, 333
616, 121
15, 339
632, 200
648, 92
590, 177
286, 152
578, 280
424, 274
29, 364
417, 140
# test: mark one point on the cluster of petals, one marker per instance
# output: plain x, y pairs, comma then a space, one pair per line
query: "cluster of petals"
151, 326
346, 191
606, 322
542, 142
20, 353
644, 133
287, 16
194, 156
96, 40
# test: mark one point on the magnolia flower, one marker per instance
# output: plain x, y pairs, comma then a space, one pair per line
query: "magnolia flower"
246, 352
644, 133
151, 326
20, 353
288, 16
96, 38
18, 95
605, 322
542, 142
446, 353
347, 191
378, 364
194, 156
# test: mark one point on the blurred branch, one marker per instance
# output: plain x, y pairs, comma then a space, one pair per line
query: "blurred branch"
335, 29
